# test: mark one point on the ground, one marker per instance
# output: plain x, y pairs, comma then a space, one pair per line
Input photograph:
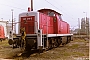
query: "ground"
78, 49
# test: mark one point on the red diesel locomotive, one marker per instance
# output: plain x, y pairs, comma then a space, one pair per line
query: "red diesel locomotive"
43, 29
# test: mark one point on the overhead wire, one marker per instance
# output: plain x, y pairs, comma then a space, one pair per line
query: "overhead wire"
62, 7
14, 7
57, 8
26, 10
14, 2
70, 14
7, 15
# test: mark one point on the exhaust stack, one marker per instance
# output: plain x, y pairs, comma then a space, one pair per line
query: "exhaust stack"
31, 5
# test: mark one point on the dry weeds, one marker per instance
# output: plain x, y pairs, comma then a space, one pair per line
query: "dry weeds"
75, 50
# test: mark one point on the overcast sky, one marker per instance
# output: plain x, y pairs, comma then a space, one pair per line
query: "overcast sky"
71, 10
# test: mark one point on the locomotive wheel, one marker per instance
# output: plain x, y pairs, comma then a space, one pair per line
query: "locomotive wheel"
59, 42
56, 43
1, 40
68, 40
50, 44
64, 40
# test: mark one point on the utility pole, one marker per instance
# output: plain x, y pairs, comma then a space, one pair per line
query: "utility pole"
12, 19
31, 5
79, 26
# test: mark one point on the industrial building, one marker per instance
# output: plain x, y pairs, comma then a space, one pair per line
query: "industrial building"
82, 26
85, 26
7, 27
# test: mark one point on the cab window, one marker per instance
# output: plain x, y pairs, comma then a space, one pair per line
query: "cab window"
60, 17
51, 13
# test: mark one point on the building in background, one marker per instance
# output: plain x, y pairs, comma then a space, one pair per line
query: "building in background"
4, 24
83, 26
87, 26
8, 27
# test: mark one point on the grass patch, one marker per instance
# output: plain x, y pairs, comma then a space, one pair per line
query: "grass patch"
78, 54
80, 40
73, 46
4, 43
66, 54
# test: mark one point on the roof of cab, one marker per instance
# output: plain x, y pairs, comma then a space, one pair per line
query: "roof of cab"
49, 10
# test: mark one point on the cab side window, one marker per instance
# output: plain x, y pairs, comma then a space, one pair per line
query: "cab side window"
51, 13
60, 17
